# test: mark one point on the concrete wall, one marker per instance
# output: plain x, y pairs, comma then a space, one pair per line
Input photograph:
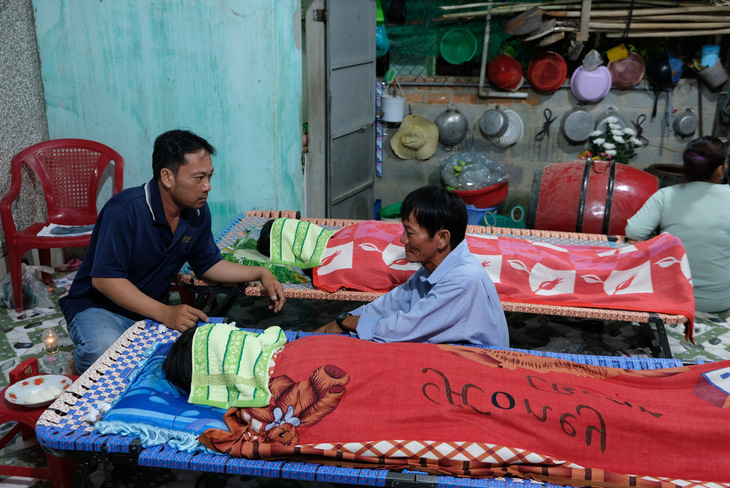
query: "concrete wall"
22, 107
527, 156
122, 73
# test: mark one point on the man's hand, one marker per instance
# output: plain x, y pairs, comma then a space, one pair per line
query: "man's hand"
274, 289
331, 328
227, 272
182, 317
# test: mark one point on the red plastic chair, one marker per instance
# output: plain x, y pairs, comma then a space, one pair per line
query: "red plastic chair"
59, 471
69, 172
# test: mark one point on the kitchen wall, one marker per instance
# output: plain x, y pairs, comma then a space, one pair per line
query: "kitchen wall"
527, 156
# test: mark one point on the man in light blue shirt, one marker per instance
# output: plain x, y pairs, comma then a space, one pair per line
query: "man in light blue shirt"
450, 299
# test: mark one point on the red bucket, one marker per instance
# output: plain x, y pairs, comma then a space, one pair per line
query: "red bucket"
489, 196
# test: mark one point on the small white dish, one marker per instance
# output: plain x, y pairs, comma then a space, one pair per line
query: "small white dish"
37, 391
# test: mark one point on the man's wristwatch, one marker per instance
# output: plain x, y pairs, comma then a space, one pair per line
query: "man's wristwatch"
340, 318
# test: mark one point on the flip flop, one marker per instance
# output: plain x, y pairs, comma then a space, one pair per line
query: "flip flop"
72, 265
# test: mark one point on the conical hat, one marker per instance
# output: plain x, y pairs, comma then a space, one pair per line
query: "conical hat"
417, 137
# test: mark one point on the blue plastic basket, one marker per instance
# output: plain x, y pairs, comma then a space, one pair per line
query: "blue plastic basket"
475, 215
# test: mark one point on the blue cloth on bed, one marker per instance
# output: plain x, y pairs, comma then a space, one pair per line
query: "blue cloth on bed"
157, 412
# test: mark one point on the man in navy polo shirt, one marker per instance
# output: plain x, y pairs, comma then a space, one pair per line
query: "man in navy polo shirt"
140, 241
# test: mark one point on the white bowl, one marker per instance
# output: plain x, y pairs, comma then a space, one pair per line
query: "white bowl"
38, 391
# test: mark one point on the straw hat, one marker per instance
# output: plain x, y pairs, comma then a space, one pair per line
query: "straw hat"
417, 137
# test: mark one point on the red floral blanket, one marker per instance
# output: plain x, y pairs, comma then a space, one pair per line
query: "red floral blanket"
650, 276
473, 412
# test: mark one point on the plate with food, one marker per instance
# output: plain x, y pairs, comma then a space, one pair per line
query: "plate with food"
37, 391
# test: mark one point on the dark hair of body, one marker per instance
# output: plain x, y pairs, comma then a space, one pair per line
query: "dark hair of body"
263, 244
702, 157
435, 208
178, 364
172, 146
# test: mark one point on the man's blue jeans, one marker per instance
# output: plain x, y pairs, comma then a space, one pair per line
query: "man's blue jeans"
93, 331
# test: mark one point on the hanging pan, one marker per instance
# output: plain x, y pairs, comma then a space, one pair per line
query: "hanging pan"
659, 73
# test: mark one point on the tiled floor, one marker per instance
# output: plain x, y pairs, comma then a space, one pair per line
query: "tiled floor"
712, 333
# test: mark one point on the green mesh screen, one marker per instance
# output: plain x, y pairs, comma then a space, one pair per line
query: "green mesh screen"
414, 45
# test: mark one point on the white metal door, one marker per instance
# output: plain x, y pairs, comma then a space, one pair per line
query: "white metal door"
341, 100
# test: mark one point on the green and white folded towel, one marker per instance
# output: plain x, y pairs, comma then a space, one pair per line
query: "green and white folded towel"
298, 243
231, 365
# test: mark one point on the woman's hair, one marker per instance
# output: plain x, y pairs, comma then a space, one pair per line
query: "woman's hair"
435, 208
178, 364
702, 157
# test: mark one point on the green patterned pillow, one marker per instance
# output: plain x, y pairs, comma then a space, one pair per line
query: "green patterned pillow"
245, 252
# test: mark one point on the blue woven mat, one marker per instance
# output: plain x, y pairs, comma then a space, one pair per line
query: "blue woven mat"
64, 426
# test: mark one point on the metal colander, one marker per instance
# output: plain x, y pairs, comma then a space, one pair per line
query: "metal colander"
514, 132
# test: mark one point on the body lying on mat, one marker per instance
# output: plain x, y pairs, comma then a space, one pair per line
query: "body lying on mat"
572, 275
464, 411
444, 293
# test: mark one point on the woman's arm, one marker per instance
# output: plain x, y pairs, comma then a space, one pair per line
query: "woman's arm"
647, 219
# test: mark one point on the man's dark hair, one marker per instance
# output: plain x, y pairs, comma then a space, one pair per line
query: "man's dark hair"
435, 208
171, 148
178, 364
701, 158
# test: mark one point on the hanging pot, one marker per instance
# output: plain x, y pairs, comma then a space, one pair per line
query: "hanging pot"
453, 127
659, 73
603, 121
514, 131
686, 125
577, 125
493, 123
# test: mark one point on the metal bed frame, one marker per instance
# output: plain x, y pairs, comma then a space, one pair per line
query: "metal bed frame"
63, 430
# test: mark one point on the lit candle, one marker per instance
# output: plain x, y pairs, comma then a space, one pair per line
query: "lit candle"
50, 339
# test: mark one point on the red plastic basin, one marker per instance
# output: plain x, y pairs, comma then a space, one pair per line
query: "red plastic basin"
489, 196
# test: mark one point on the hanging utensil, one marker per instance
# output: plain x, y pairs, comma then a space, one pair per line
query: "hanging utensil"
453, 127
640, 130
514, 132
549, 119
525, 22
575, 50
577, 125
611, 111
551, 39
686, 124
670, 108
659, 73
549, 27
493, 123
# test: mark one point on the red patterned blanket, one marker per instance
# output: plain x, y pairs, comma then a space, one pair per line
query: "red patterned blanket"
650, 276
473, 412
